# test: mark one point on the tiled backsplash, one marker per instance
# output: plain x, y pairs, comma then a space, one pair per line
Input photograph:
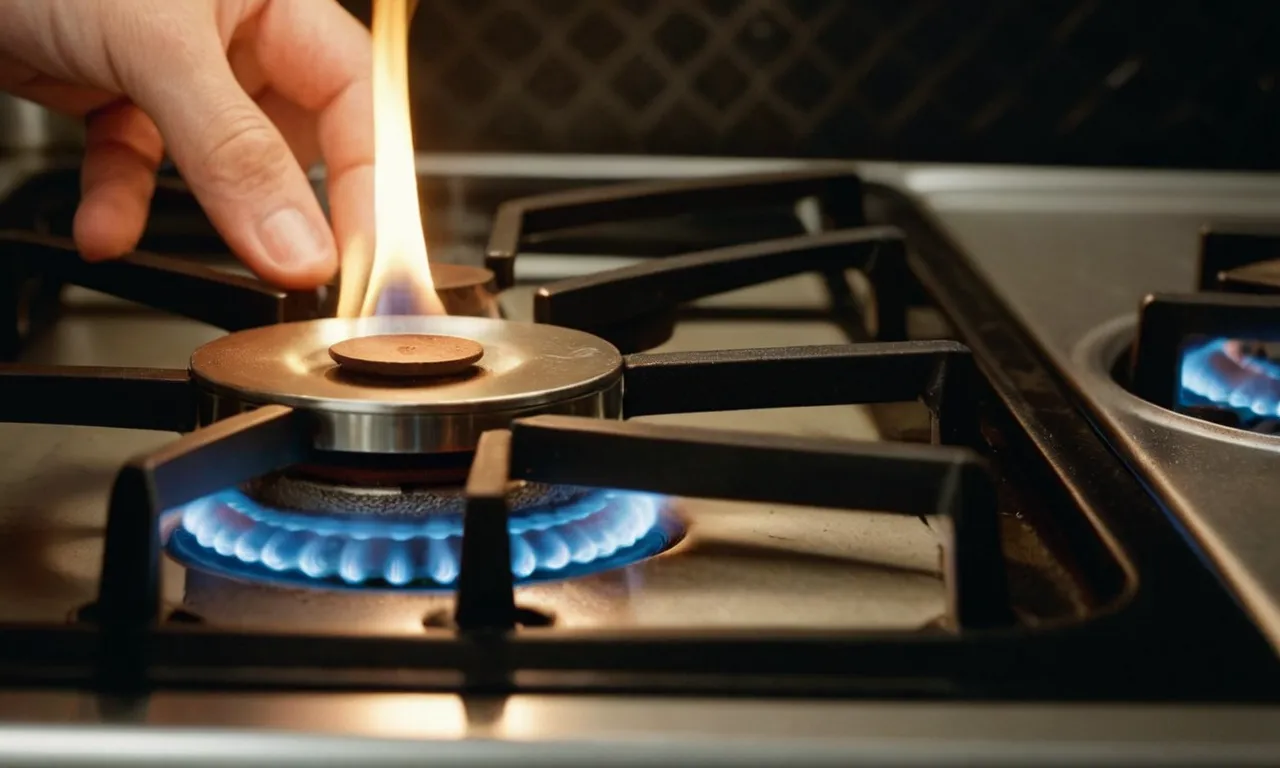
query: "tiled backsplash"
1167, 82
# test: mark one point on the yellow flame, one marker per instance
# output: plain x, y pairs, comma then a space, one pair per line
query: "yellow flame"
399, 279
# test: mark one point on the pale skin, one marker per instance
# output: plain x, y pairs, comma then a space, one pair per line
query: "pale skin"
241, 95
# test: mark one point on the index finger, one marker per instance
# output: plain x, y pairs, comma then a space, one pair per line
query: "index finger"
320, 57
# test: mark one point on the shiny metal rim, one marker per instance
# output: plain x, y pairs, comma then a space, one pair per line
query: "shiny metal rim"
525, 365
405, 433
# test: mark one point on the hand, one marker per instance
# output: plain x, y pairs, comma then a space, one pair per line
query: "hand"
241, 94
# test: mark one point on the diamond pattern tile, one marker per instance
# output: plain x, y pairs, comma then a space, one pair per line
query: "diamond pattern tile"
554, 83
470, 81
721, 83
597, 37
804, 85
764, 37
511, 36
1158, 82
680, 37
638, 83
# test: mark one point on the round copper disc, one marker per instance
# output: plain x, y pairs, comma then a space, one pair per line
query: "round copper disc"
406, 355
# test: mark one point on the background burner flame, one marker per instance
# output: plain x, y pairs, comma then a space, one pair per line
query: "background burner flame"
397, 279
230, 533
1224, 374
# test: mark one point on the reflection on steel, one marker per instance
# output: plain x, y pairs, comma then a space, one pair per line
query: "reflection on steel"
229, 533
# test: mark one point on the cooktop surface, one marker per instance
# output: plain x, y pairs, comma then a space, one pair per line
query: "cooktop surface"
940, 349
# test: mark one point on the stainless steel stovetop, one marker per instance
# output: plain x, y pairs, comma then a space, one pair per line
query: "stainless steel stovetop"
1072, 252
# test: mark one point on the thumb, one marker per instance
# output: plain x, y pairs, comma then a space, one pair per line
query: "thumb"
241, 169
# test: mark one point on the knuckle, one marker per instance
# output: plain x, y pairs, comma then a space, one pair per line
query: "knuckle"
245, 155
132, 36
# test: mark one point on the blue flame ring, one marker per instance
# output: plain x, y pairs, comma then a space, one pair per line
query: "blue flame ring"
231, 534
1221, 373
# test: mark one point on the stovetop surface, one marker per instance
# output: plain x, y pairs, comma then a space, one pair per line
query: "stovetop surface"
1074, 253
744, 564
1022, 228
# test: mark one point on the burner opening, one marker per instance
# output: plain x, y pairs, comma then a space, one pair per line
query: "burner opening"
565, 534
1235, 382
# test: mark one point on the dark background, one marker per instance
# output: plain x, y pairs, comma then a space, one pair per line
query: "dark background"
1097, 82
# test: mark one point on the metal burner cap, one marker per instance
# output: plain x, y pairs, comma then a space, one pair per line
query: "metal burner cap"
525, 369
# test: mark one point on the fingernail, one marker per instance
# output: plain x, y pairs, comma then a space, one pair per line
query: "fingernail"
293, 242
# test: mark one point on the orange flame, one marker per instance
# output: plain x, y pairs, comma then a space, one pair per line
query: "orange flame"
398, 281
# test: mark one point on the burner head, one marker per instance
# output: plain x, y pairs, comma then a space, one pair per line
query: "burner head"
308, 496
406, 355
413, 543
524, 369
1230, 375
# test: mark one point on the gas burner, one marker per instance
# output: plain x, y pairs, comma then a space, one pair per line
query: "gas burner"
293, 469
298, 531
523, 369
416, 388
1228, 374
413, 541
1204, 354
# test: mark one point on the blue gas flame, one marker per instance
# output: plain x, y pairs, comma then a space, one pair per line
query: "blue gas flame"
230, 533
1210, 375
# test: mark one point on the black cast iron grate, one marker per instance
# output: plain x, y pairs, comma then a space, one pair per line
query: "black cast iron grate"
1165, 611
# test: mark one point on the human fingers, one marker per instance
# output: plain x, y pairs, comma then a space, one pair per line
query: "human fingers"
318, 56
296, 124
123, 149
233, 157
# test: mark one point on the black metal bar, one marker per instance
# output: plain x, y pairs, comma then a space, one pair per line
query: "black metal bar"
846, 310
784, 377
210, 459
1222, 251
130, 398
953, 399
899, 478
611, 303
893, 285
1044, 662
30, 304
224, 300
486, 586
1168, 321
840, 191
758, 314
799, 654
